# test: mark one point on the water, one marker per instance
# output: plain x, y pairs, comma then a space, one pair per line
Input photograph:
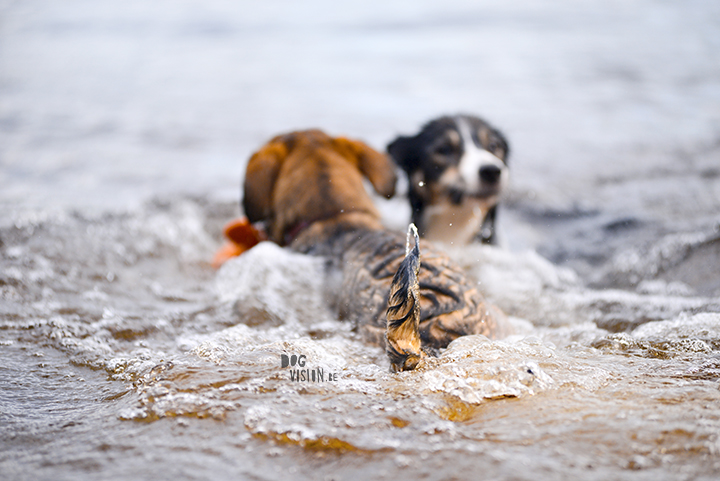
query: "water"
123, 136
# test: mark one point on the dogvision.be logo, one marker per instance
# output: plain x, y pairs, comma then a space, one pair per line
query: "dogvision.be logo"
299, 371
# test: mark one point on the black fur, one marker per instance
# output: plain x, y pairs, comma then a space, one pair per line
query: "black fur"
427, 155
404, 312
403, 304
368, 260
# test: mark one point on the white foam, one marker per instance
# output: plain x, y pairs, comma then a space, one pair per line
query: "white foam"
277, 282
704, 326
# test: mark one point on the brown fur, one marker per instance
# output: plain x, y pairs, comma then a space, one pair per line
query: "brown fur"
308, 189
307, 176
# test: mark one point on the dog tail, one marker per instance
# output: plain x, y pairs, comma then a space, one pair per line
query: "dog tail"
402, 337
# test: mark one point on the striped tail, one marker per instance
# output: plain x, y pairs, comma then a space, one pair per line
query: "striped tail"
403, 312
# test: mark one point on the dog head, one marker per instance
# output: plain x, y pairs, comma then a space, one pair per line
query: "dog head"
304, 177
451, 160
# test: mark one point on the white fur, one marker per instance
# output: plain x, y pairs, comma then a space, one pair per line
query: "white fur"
474, 158
450, 223
447, 222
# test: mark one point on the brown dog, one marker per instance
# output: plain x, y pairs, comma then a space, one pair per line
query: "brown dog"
308, 190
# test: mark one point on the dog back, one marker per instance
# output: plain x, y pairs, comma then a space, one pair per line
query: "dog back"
450, 304
302, 177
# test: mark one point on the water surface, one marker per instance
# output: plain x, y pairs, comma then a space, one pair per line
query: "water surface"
124, 132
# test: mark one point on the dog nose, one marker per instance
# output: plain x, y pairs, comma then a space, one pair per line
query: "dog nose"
490, 173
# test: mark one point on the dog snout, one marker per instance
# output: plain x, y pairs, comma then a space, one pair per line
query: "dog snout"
490, 173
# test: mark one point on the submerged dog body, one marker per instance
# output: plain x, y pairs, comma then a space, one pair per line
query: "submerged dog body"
308, 189
456, 168
368, 259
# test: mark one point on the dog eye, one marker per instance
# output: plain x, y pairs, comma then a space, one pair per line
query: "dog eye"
444, 149
495, 148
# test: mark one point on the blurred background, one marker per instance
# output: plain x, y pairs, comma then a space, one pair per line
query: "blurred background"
612, 108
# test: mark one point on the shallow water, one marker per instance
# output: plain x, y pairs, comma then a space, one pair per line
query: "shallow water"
130, 356
124, 355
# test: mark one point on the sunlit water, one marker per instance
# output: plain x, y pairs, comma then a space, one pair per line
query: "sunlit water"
126, 356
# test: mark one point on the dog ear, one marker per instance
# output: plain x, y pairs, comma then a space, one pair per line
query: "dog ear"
503, 145
379, 170
404, 152
260, 176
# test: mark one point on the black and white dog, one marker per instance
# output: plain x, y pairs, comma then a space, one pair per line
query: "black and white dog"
456, 169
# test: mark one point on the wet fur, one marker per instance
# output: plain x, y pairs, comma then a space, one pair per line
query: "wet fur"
311, 196
402, 339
